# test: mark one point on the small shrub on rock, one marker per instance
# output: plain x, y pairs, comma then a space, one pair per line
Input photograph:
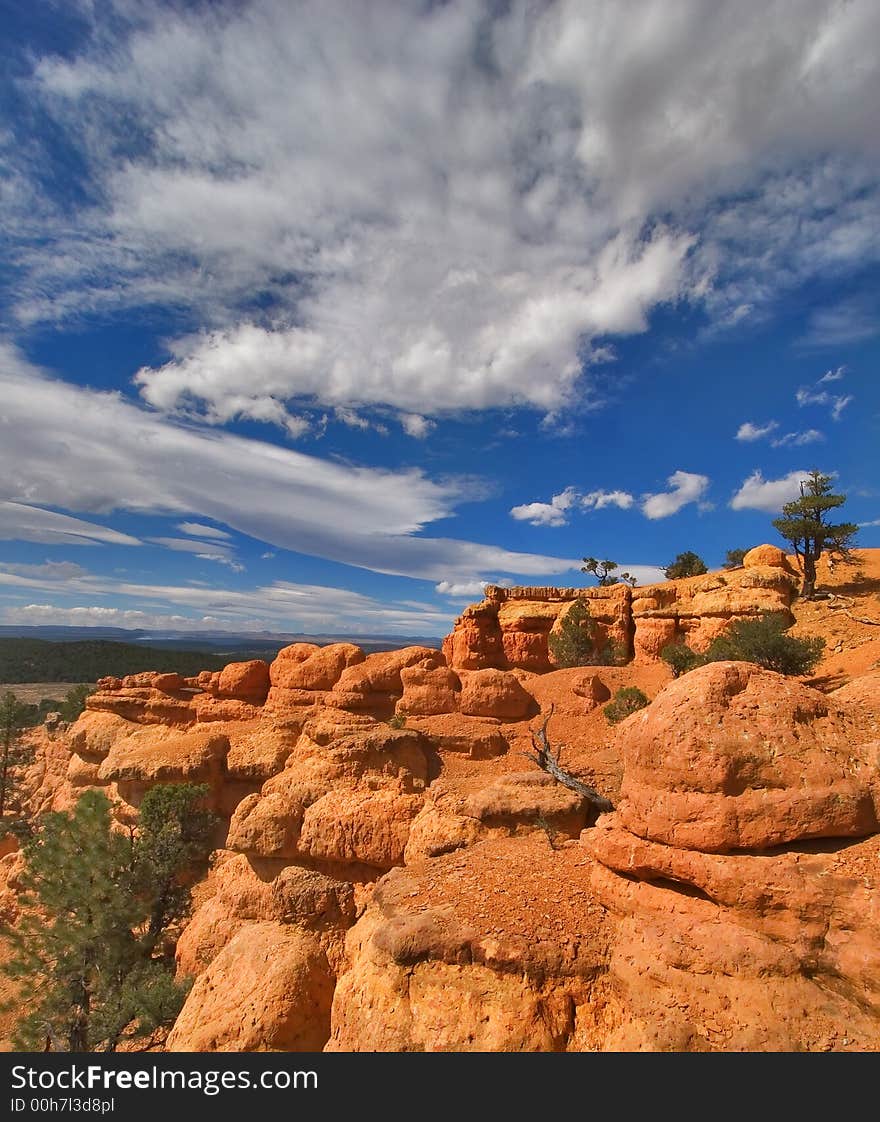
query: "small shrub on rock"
680, 658
579, 643
627, 700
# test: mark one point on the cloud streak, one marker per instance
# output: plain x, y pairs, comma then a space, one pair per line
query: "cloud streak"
119, 456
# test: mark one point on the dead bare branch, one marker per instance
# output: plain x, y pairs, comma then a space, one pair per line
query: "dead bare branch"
546, 759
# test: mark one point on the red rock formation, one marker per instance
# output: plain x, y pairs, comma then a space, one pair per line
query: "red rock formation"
732, 756
511, 627
697, 609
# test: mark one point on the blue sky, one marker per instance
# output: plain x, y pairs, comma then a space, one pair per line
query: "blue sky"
317, 316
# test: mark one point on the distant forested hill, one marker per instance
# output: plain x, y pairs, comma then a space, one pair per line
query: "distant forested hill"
36, 660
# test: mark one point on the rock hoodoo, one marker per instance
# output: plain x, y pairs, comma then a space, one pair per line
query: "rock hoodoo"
512, 626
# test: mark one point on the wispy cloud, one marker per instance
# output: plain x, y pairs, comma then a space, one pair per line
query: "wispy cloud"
796, 439
812, 395
749, 432
199, 530
120, 456
853, 320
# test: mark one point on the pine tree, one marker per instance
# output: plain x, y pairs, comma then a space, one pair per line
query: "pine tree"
734, 558
13, 754
578, 641
89, 947
805, 528
601, 570
688, 564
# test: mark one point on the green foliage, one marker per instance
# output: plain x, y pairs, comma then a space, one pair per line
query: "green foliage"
601, 570
805, 526
735, 558
579, 642
74, 702
688, 564
627, 700
13, 755
37, 660
763, 641
89, 949
680, 658
397, 721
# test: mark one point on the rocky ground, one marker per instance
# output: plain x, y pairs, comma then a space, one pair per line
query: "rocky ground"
395, 874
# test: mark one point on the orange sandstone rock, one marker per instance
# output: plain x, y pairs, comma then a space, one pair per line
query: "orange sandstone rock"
494, 693
428, 689
246, 681
269, 989
732, 756
320, 669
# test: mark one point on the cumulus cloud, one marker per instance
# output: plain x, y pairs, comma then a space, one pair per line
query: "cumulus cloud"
555, 513
598, 500
685, 487
749, 431
119, 456
414, 424
440, 207
758, 493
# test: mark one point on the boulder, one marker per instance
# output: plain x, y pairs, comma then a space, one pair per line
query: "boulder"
304, 666
246, 681
732, 756
494, 693
269, 989
428, 689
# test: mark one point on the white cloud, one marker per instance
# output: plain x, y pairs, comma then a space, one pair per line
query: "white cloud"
750, 432
598, 500
205, 551
840, 403
810, 395
119, 456
758, 493
49, 570
21, 522
416, 425
795, 439
472, 589
282, 606
874, 522
442, 205
686, 487
554, 513
852, 320
199, 530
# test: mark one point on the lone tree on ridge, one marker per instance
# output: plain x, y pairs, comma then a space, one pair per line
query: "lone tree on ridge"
805, 527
